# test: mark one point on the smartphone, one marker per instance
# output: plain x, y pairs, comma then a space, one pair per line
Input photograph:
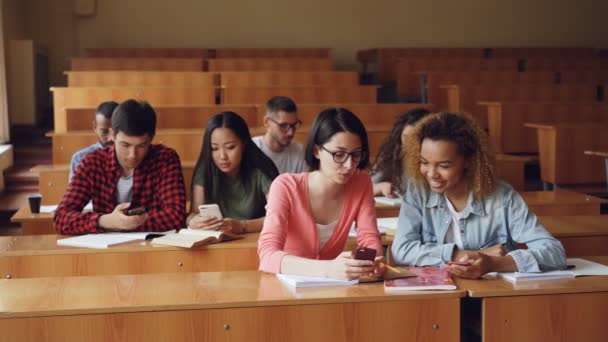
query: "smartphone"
459, 263
364, 253
212, 210
136, 211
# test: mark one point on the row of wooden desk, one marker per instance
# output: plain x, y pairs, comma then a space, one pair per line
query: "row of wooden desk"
253, 306
29, 256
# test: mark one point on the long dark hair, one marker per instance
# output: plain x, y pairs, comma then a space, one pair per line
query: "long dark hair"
390, 161
252, 158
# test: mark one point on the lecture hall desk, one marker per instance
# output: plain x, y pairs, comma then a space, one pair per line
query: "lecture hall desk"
223, 306
29, 256
548, 310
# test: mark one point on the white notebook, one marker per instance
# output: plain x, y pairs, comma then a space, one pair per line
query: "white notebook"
581, 267
105, 240
388, 201
298, 281
386, 225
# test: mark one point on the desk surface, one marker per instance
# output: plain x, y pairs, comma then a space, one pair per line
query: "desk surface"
603, 154
502, 288
584, 225
178, 291
47, 244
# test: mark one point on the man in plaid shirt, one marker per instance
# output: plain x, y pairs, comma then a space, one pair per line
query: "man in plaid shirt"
132, 173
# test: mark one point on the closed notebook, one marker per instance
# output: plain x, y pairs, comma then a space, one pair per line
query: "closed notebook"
426, 279
107, 240
388, 200
578, 267
191, 238
298, 281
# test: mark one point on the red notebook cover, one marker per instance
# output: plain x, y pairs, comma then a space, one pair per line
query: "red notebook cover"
427, 278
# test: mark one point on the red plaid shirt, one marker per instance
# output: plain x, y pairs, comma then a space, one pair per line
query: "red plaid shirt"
158, 186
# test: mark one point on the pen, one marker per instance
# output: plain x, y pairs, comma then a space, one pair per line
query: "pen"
390, 267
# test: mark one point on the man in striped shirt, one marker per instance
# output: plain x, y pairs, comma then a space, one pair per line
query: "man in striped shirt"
131, 173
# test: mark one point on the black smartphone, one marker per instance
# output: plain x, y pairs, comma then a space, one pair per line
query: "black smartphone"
364, 253
136, 211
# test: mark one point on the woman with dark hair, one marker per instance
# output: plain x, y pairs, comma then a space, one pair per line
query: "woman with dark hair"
310, 214
454, 209
232, 172
388, 173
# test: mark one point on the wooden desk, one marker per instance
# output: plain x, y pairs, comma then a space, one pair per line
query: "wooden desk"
136, 63
326, 94
602, 154
270, 64
33, 224
226, 306
580, 235
40, 256
548, 310
141, 79
506, 121
288, 78
561, 152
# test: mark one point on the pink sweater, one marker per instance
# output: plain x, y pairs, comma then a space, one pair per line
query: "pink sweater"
290, 228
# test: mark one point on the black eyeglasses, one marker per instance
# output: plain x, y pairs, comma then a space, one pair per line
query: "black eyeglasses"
341, 157
285, 126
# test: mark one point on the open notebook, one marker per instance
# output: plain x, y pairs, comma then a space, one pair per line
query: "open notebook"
425, 279
388, 200
106, 240
298, 281
191, 238
578, 267
386, 225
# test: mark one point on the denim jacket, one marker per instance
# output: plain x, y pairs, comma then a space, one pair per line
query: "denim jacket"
501, 218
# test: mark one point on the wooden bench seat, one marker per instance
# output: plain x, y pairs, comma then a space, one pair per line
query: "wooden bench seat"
182, 79
270, 64
288, 78
465, 98
167, 117
157, 96
149, 52
141, 64
329, 94
506, 121
561, 152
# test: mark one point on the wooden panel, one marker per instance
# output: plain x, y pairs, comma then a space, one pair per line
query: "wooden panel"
174, 117
583, 76
156, 96
369, 114
288, 78
545, 52
260, 95
562, 145
272, 53
511, 170
149, 52
340, 322
270, 64
562, 202
567, 63
560, 317
506, 121
466, 98
141, 79
150, 64
460, 71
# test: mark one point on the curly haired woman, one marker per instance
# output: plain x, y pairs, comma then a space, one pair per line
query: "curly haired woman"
454, 209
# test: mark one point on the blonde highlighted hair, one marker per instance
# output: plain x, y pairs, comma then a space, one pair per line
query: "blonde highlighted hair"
472, 142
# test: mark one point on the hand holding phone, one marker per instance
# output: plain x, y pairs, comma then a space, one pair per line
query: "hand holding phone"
364, 253
210, 210
136, 211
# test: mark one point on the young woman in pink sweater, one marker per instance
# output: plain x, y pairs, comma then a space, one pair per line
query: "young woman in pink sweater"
309, 214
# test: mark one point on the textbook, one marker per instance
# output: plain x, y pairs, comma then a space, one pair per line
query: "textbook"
388, 200
106, 240
426, 279
298, 281
576, 267
191, 238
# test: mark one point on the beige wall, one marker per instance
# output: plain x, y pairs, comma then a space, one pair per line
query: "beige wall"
344, 25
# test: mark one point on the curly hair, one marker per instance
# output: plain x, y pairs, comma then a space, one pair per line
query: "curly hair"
472, 142
389, 160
